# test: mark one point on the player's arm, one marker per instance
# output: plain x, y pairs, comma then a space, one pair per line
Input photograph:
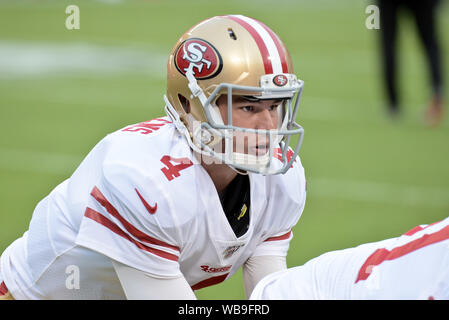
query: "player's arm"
139, 285
268, 257
257, 267
129, 219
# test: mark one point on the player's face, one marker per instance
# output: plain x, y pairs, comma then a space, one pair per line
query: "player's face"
260, 114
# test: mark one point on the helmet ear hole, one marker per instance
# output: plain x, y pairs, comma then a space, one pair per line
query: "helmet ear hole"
232, 34
184, 103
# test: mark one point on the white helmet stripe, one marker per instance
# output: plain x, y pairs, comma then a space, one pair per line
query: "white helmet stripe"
273, 53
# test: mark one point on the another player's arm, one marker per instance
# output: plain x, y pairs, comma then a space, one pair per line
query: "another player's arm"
139, 285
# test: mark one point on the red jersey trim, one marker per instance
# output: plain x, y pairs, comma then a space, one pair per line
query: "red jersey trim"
419, 228
96, 193
3, 289
98, 217
282, 237
209, 282
382, 254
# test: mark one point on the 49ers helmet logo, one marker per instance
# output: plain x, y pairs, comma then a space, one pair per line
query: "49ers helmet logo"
199, 57
280, 80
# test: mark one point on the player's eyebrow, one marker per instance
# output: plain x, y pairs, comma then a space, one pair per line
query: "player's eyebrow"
243, 99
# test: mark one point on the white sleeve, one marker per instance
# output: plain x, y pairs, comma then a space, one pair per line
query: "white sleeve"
276, 245
130, 219
255, 268
139, 285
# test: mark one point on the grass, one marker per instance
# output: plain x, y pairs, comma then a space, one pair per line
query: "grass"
369, 178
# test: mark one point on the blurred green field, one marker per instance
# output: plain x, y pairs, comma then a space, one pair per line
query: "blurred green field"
369, 178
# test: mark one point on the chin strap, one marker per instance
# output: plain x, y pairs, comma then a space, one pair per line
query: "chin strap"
174, 116
195, 88
245, 173
197, 92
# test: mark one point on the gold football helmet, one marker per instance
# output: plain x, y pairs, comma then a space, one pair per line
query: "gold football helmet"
233, 55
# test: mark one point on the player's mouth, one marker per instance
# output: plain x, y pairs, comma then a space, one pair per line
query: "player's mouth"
260, 149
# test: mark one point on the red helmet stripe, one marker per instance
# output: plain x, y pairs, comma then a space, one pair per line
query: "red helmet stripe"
259, 41
277, 42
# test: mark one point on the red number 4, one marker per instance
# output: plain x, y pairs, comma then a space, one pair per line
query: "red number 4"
171, 170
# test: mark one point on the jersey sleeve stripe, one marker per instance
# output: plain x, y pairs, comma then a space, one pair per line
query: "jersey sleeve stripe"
96, 193
383, 254
281, 237
98, 217
419, 228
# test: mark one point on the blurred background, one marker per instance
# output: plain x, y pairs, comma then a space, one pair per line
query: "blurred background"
370, 177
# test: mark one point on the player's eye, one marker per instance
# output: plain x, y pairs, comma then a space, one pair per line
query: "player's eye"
274, 107
247, 108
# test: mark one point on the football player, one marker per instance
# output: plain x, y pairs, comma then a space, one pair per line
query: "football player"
412, 266
165, 207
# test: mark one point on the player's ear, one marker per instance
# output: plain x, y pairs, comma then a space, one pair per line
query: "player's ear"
185, 103
222, 101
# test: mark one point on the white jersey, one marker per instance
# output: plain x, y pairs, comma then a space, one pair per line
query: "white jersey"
412, 266
140, 198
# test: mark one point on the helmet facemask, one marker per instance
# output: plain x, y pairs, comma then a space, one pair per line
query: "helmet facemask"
246, 149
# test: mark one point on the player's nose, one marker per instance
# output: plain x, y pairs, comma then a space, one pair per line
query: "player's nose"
266, 120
